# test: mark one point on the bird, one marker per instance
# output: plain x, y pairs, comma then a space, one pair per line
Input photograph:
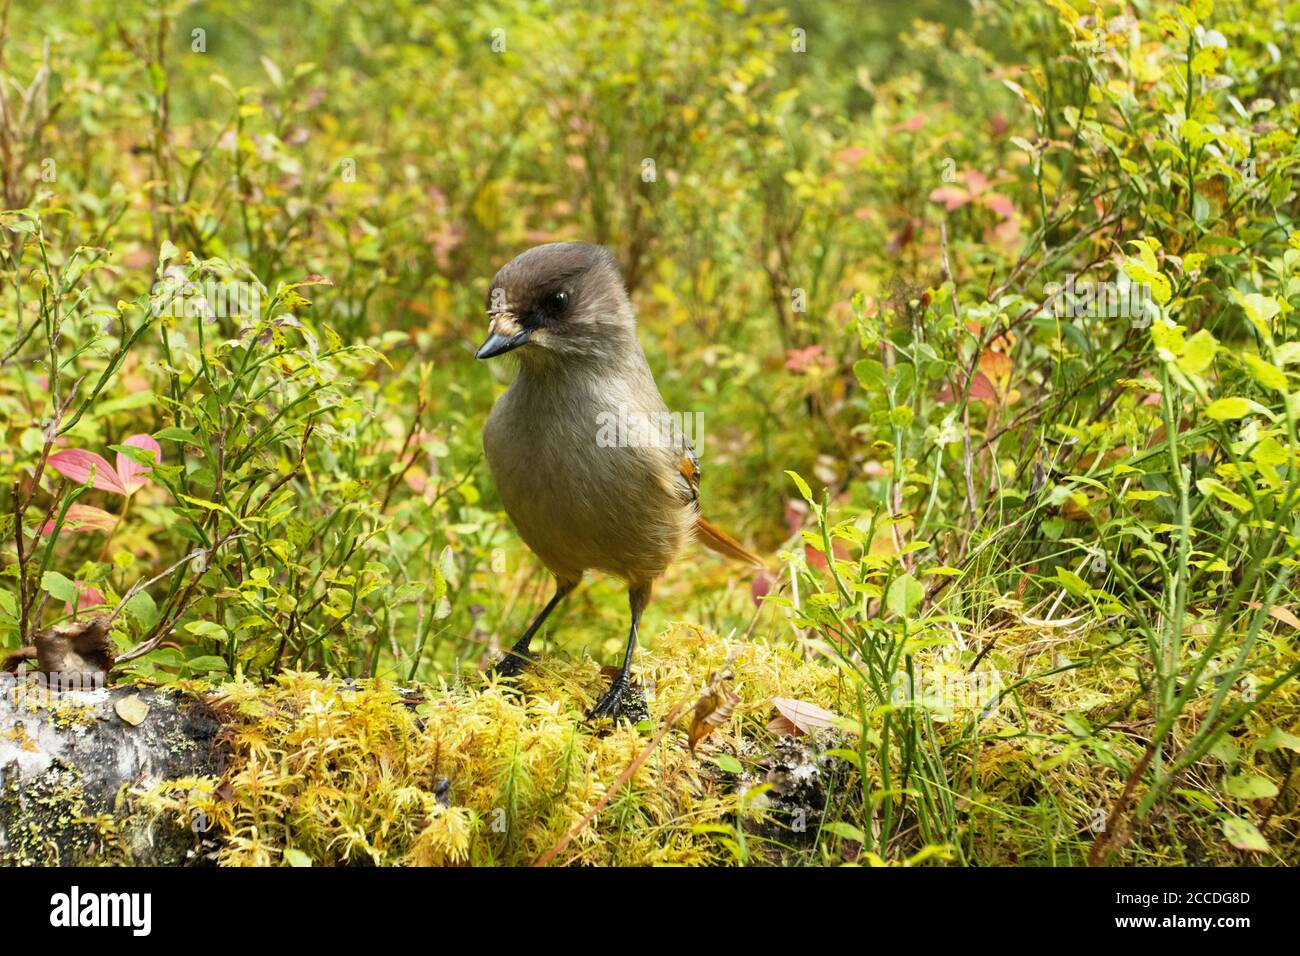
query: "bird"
593, 471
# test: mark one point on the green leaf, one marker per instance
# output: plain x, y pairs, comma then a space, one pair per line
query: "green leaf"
1225, 749
1072, 583
1250, 786
1145, 495
802, 485
1217, 489
206, 664
178, 435
1196, 797
143, 608
1244, 835
1265, 373
728, 763
1270, 452
845, 831
1077, 725
904, 594
295, 857
208, 629
1198, 353
1277, 739
129, 402
1227, 409
59, 587
870, 373
1260, 310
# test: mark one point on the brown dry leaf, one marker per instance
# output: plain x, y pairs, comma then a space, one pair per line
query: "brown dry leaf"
803, 716
712, 709
1285, 616
76, 647
782, 727
1279, 613
16, 660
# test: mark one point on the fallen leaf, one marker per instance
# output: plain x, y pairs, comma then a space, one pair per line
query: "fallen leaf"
803, 716
83, 648
1278, 613
132, 710
712, 709
782, 727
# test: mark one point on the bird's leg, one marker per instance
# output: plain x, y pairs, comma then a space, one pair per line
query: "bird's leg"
517, 657
611, 704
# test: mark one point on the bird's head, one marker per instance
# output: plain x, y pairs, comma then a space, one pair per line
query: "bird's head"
556, 302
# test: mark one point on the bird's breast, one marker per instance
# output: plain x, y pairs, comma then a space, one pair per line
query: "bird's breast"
582, 490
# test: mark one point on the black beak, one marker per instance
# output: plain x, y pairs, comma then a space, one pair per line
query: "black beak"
500, 344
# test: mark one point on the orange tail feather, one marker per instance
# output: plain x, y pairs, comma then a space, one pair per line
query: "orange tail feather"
715, 539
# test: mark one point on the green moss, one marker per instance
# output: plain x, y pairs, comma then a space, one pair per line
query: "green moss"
493, 774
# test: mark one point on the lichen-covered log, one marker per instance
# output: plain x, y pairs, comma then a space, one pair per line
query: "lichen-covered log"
72, 763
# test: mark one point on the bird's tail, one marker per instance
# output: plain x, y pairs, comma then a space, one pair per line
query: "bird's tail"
715, 539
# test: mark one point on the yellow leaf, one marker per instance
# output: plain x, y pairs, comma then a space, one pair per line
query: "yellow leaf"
1226, 409
132, 710
1265, 373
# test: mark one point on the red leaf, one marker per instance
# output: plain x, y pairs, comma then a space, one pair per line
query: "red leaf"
999, 203
981, 390
130, 472
88, 596
976, 180
77, 465
952, 197
83, 518
802, 360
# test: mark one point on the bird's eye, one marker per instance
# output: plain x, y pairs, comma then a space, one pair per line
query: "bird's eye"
559, 300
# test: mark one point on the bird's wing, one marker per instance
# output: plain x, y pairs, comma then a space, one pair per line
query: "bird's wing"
688, 466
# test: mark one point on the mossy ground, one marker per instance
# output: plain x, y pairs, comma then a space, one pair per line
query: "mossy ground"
483, 773
490, 773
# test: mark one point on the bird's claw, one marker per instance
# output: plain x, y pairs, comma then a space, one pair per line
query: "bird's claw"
611, 705
623, 701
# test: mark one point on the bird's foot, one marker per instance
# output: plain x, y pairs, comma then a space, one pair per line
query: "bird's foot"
621, 702
512, 665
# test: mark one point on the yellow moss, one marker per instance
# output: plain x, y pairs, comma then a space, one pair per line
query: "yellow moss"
487, 774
